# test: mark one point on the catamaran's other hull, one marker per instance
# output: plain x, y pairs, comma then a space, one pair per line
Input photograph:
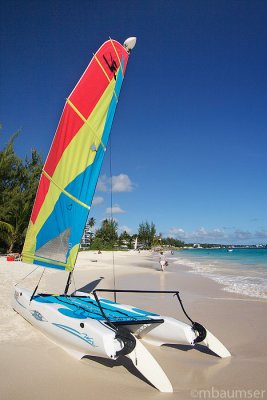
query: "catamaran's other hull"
76, 324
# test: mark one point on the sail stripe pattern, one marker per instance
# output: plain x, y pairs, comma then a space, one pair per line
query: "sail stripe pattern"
71, 171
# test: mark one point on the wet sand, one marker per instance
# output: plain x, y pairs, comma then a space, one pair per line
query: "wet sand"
34, 367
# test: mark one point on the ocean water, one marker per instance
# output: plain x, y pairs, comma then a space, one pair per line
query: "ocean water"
242, 270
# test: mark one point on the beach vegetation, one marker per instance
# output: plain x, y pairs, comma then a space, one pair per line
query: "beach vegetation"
18, 184
91, 222
106, 236
6, 231
146, 233
172, 242
97, 244
125, 240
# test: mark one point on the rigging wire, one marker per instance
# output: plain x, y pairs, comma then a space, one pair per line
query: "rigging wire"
26, 276
111, 217
35, 290
74, 283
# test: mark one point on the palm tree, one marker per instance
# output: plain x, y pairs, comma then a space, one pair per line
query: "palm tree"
91, 222
6, 233
107, 233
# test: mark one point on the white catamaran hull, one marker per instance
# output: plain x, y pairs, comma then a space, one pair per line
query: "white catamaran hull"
79, 337
62, 318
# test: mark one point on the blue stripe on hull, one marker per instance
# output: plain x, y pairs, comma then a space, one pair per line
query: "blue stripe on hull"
84, 307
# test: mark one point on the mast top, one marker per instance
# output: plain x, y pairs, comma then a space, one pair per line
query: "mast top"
129, 43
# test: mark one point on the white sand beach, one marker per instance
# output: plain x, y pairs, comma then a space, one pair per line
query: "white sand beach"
33, 367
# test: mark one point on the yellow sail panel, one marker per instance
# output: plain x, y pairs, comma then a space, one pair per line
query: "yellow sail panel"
72, 168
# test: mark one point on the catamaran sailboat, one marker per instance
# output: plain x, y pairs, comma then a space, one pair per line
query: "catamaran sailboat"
87, 323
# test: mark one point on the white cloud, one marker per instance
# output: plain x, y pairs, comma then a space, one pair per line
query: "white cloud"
199, 235
116, 209
218, 235
203, 233
103, 184
120, 183
97, 200
177, 232
242, 235
261, 234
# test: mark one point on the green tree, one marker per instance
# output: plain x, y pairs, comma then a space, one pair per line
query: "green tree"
171, 242
107, 234
18, 185
97, 244
91, 222
6, 232
125, 239
146, 233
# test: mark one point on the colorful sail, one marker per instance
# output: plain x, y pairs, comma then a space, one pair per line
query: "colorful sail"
71, 171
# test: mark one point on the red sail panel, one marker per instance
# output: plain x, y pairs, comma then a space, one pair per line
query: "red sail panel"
84, 97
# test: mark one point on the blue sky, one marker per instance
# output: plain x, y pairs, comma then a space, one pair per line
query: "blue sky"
189, 139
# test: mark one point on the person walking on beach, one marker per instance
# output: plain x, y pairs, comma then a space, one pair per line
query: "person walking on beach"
162, 261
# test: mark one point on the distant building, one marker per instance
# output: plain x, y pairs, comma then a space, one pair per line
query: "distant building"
87, 236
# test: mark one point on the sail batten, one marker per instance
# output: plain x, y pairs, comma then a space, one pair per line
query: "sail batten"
71, 170
84, 120
118, 58
65, 192
106, 75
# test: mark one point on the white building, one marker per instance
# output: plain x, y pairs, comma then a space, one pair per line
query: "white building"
87, 236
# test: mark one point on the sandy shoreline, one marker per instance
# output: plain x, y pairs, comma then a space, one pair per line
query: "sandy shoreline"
34, 367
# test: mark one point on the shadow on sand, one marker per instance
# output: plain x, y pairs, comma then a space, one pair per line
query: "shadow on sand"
122, 361
185, 347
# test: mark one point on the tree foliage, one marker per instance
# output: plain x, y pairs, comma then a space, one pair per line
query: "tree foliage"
171, 242
106, 236
18, 185
91, 222
146, 233
125, 239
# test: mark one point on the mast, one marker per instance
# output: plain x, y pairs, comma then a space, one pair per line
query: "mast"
68, 283
72, 168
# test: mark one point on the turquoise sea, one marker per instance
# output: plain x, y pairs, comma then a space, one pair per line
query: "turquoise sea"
241, 270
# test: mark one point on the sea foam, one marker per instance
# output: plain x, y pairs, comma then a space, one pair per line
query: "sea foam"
243, 279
